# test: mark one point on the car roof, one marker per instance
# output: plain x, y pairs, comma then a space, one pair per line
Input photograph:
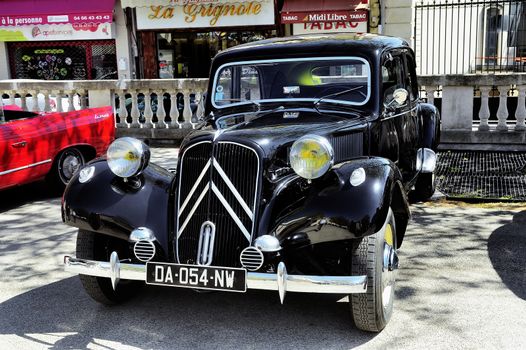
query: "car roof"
313, 45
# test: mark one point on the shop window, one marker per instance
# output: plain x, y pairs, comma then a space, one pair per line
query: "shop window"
75, 60
189, 55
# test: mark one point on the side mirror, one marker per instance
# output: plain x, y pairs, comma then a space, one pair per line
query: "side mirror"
398, 99
400, 96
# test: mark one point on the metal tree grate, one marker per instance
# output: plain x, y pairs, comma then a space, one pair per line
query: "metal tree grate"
482, 175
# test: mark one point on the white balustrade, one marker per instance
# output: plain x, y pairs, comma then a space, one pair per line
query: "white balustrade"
161, 113
520, 113
123, 112
174, 111
484, 112
502, 112
187, 110
135, 113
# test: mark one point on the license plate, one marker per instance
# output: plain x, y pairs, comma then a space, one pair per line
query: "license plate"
198, 277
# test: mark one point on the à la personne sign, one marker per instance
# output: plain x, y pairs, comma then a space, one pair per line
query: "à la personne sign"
205, 14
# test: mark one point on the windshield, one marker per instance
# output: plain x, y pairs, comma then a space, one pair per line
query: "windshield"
344, 80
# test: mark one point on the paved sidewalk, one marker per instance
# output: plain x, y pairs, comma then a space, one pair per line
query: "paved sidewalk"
461, 285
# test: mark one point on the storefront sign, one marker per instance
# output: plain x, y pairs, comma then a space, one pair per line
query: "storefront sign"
329, 27
52, 19
205, 14
76, 31
324, 16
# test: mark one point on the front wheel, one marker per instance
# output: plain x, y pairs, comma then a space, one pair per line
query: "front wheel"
376, 257
95, 246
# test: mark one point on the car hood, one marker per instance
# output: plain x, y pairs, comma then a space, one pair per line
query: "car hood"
272, 132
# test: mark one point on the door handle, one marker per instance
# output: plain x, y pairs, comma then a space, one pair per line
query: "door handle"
19, 144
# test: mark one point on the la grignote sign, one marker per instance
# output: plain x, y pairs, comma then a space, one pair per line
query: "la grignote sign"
206, 14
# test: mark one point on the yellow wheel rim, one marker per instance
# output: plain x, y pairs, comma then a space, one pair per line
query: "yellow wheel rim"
388, 235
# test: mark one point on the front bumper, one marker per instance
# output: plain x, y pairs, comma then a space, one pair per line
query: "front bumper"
280, 281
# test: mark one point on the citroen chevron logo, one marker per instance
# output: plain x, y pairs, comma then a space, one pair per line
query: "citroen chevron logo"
212, 186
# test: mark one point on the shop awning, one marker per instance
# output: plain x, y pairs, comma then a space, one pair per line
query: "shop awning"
38, 12
301, 11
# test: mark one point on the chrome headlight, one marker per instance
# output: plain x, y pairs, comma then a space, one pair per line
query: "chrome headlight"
128, 157
311, 156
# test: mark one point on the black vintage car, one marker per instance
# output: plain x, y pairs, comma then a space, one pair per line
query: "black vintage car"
296, 180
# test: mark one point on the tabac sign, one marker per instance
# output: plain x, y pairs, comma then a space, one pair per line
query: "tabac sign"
205, 14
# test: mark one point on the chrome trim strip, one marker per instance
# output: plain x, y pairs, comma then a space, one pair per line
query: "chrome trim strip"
230, 211
25, 167
205, 249
296, 99
255, 280
194, 208
233, 189
197, 182
399, 114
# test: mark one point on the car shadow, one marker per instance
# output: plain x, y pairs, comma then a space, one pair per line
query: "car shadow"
507, 252
17, 196
179, 318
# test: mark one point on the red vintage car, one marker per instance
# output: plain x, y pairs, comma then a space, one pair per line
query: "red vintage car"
51, 145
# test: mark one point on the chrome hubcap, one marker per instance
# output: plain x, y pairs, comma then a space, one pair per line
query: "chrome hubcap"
69, 166
389, 267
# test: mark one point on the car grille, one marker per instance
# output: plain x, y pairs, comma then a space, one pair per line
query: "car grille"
221, 189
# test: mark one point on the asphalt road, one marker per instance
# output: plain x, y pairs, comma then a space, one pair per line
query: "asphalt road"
462, 285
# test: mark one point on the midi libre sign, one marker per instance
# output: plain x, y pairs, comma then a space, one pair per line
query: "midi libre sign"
205, 14
333, 16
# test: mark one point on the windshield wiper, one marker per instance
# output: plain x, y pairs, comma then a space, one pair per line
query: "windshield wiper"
318, 101
248, 119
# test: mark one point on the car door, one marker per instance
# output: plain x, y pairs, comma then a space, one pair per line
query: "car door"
393, 136
411, 124
19, 164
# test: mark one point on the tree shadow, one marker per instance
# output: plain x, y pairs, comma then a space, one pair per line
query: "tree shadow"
179, 318
17, 196
507, 252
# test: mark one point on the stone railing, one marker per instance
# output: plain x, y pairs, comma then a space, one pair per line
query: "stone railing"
480, 109
138, 113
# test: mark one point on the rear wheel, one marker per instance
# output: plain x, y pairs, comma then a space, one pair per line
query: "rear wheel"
376, 257
425, 186
94, 246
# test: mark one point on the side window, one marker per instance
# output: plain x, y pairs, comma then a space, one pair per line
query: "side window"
392, 76
410, 76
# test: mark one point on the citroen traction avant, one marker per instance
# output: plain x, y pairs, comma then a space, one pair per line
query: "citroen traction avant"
296, 180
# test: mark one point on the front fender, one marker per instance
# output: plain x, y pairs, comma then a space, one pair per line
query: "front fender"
107, 204
334, 210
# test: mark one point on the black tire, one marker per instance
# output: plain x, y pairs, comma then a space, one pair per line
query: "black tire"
424, 187
371, 311
68, 162
94, 246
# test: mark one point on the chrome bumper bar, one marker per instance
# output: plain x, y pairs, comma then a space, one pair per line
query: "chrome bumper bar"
280, 281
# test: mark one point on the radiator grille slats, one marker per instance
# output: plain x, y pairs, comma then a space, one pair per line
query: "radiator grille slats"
233, 171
